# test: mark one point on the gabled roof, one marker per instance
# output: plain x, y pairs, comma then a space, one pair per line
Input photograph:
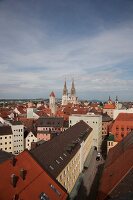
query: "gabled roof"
36, 181
118, 165
55, 154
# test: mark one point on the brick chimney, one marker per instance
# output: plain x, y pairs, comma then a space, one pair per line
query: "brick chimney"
13, 161
14, 180
22, 173
15, 197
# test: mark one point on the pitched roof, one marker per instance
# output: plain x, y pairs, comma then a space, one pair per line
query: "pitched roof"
118, 164
37, 180
106, 118
16, 122
125, 117
4, 156
5, 130
55, 154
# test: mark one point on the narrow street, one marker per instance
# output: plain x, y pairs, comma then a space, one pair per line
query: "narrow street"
90, 181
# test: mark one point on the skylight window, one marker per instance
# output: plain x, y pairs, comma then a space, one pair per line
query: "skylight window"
61, 158
43, 196
57, 161
55, 190
51, 167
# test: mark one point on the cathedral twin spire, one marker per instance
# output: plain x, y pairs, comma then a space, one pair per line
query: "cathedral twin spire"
69, 98
73, 91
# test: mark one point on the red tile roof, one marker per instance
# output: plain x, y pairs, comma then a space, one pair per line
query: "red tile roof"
52, 94
125, 117
109, 106
118, 164
36, 180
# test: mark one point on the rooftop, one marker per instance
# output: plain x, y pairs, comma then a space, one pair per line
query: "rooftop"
118, 165
5, 130
25, 179
55, 154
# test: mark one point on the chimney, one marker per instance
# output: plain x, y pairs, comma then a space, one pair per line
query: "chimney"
13, 161
22, 173
14, 180
15, 197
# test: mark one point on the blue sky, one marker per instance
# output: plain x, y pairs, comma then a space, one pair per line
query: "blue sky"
42, 42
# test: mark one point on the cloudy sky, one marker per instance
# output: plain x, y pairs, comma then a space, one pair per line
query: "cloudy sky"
42, 42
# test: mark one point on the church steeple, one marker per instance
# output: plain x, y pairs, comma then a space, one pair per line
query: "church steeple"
116, 98
65, 89
73, 91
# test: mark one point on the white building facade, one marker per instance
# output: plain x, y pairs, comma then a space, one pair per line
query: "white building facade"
18, 137
94, 121
6, 141
29, 139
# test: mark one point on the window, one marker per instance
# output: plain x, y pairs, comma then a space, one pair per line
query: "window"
43, 196
5, 137
5, 148
0, 137
55, 190
5, 142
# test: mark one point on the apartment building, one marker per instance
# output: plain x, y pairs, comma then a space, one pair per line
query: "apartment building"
94, 121
64, 156
30, 137
122, 126
18, 136
6, 139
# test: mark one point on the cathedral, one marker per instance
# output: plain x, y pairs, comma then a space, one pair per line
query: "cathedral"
69, 97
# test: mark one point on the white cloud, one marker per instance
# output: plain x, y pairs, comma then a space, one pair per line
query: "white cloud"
50, 61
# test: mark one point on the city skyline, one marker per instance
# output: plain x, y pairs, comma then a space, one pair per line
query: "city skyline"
44, 42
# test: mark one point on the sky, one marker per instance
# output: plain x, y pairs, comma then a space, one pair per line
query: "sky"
44, 42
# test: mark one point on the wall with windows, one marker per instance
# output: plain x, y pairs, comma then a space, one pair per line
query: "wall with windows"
6, 143
120, 129
94, 121
70, 173
29, 139
18, 138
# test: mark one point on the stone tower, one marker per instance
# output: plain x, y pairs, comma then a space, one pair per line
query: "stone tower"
52, 103
116, 103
